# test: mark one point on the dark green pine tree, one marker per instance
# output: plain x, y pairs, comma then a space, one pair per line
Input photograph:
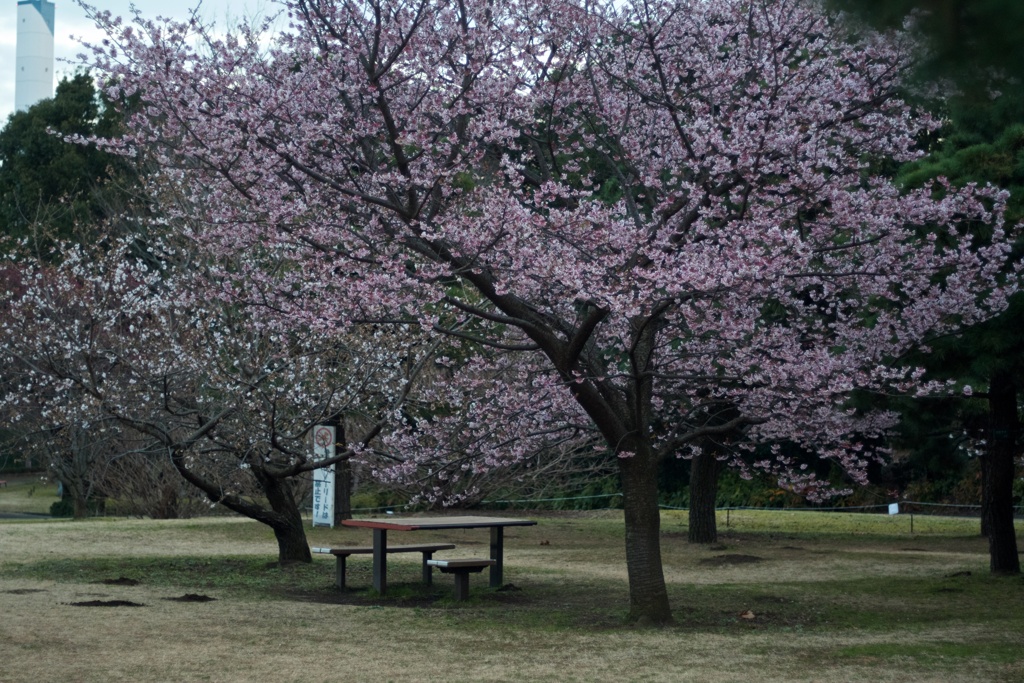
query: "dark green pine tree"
965, 35
52, 189
984, 147
977, 44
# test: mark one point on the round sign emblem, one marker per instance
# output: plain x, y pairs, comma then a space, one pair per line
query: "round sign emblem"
323, 437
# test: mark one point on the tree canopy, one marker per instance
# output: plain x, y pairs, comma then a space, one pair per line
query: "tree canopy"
967, 37
433, 163
51, 184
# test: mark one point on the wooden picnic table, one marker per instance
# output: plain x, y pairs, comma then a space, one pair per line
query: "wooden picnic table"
382, 526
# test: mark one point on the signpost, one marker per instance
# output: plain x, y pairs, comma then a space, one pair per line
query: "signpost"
894, 509
323, 477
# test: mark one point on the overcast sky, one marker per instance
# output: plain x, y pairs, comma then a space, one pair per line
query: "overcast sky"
71, 21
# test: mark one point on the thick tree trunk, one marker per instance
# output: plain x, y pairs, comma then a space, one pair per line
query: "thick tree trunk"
342, 491
997, 484
986, 514
166, 506
648, 596
80, 504
704, 471
78, 478
342, 477
287, 522
292, 546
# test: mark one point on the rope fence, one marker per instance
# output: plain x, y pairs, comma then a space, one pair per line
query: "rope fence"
905, 506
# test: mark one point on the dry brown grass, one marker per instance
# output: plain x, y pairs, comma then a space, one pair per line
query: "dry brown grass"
561, 626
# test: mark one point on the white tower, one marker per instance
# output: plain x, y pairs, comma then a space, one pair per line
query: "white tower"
34, 62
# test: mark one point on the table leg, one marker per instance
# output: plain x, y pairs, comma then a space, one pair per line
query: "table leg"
428, 571
497, 552
380, 560
339, 572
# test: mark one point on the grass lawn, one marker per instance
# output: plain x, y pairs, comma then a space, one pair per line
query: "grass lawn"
784, 596
27, 493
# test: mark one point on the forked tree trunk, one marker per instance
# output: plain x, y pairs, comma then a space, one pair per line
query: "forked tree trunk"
648, 596
284, 517
704, 471
998, 476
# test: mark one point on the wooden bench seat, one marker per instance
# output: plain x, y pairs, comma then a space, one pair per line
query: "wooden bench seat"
461, 568
342, 553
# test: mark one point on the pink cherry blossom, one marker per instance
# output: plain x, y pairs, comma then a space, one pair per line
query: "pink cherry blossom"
670, 212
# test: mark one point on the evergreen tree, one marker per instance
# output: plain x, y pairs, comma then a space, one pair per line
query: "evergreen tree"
976, 45
53, 187
965, 34
983, 147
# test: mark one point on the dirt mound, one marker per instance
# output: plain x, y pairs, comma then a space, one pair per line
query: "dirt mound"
192, 597
105, 603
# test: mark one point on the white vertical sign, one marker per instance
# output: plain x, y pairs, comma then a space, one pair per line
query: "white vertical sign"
894, 508
323, 478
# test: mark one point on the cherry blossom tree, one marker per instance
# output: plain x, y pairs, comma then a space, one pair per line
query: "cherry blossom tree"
675, 205
103, 348
101, 343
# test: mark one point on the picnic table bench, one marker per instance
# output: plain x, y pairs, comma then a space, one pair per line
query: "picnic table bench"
342, 553
382, 526
462, 568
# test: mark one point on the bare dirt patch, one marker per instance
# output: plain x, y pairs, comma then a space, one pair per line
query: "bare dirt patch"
120, 581
730, 560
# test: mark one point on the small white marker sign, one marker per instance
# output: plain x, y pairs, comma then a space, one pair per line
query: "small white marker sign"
894, 508
323, 478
